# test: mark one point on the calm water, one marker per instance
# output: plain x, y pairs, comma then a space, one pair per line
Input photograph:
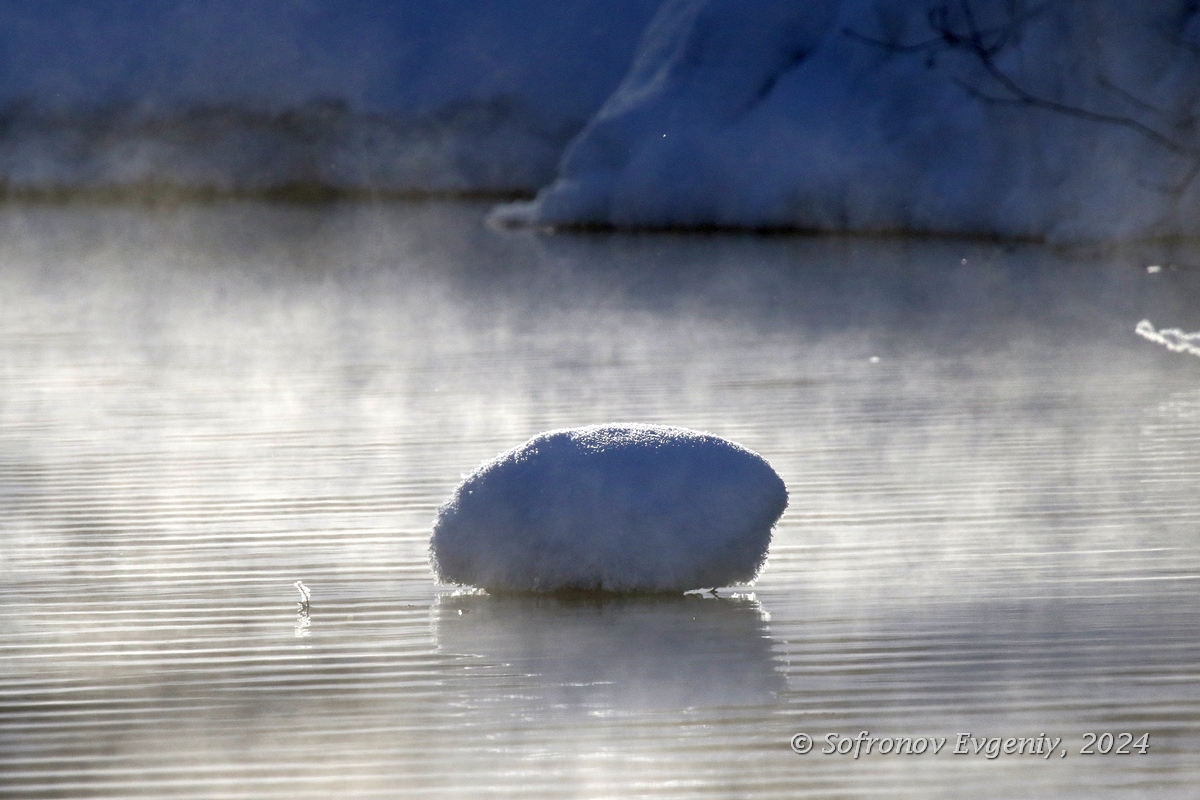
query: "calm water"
994, 524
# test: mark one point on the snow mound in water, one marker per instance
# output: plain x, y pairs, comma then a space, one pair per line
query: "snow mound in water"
622, 508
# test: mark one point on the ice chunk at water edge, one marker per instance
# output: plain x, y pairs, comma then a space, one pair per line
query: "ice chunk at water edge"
623, 507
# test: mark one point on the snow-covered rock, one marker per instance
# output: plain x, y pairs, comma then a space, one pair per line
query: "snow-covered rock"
1064, 120
619, 508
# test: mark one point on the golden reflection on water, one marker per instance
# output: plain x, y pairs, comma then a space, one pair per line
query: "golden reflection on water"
992, 525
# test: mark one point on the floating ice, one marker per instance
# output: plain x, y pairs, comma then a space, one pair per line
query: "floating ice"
624, 508
1173, 339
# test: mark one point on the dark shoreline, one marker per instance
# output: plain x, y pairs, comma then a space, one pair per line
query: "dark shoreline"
167, 194
155, 193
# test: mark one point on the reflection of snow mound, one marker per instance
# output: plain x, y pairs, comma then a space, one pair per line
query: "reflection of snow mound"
624, 652
1172, 338
611, 508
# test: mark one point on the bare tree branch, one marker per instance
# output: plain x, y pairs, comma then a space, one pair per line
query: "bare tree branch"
986, 43
1129, 97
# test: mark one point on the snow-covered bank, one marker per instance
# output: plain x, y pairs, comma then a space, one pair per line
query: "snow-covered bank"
1060, 119
1065, 120
441, 95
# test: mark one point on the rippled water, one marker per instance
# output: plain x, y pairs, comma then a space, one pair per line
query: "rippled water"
993, 526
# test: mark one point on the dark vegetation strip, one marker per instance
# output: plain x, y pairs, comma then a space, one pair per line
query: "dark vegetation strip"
156, 193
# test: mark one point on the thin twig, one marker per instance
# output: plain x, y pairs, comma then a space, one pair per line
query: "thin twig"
975, 41
1128, 96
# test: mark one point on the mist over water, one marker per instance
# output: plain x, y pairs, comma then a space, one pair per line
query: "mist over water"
992, 520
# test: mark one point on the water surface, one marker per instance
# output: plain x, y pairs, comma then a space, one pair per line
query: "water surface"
992, 530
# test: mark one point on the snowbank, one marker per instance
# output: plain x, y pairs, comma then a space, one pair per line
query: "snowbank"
455, 95
611, 508
1065, 120
1061, 119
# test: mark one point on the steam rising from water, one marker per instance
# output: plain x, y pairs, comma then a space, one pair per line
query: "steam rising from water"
1173, 339
992, 529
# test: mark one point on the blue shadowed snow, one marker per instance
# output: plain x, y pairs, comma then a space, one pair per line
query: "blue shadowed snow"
623, 508
561, 57
1065, 120
440, 95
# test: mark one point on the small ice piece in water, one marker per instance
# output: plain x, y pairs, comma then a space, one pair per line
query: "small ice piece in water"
618, 508
1173, 339
304, 594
